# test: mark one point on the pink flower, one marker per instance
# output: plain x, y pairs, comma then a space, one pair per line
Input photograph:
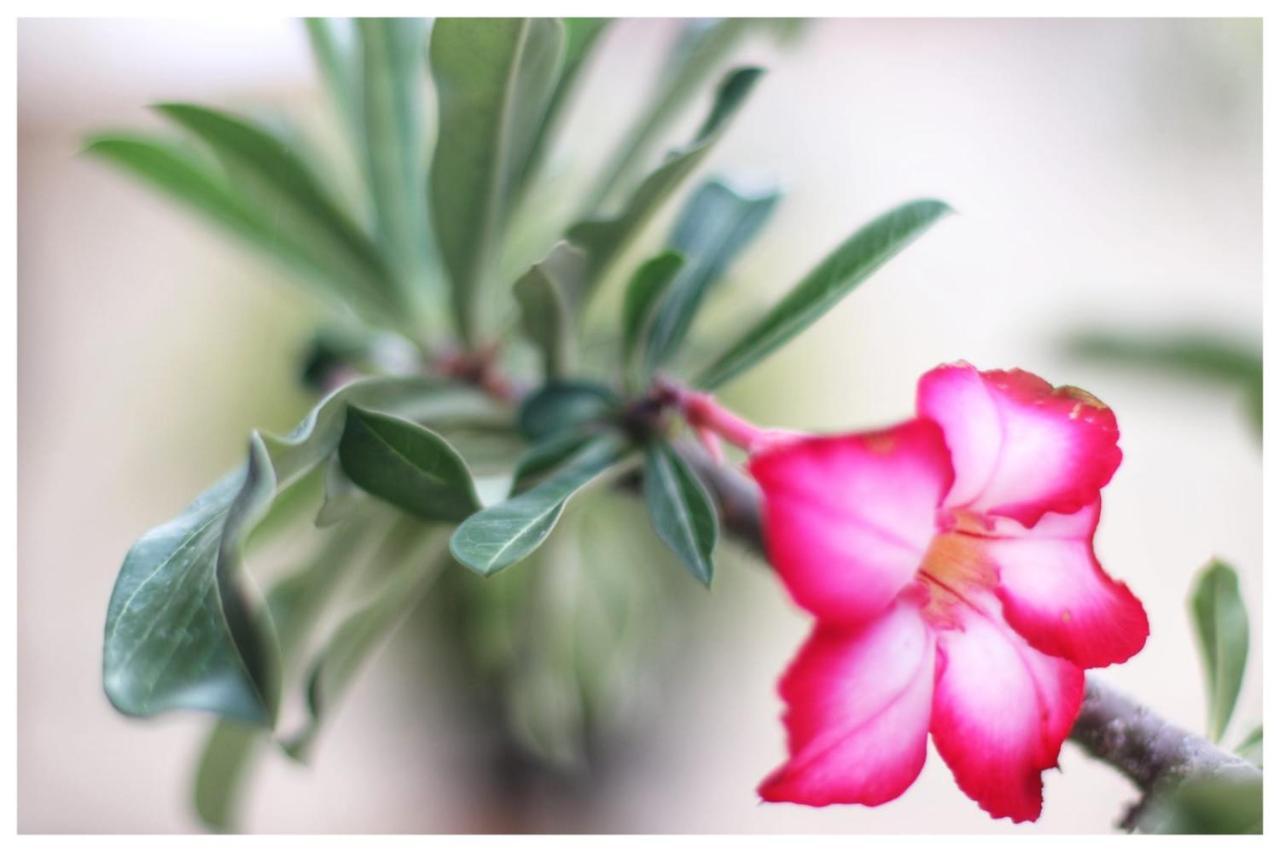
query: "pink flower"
949, 561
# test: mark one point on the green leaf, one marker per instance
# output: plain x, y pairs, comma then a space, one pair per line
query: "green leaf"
681, 510
494, 79
543, 294
605, 238
1230, 803
1250, 747
294, 603
833, 279
332, 47
192, 181
285, 189
716, 224
393, 52
1222, 628
411, 559
700, 51
169, 643
545, 456
640, 306
341, 495
1189, 354
181, 629
502, 535
580, 37
225, 761
561, 406
407, 465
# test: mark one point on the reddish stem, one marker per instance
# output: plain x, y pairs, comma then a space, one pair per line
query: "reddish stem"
479, 368
706, 416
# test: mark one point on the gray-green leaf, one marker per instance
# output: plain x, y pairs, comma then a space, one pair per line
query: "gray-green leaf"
1226, 803
544, 456
715, 225
191, 180
1222, 628
581, 35
833, 279
393, 51
562, 406
294, 602
411, 564
332, 42
279, 181
1250, 747
640, 306
494, 79
1229, 360
605, 238
700, 50
502, 535
544, 294
341, 495
681, 509
181, 628
168, 644
407, 465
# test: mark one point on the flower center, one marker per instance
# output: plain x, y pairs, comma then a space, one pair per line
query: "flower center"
955, 567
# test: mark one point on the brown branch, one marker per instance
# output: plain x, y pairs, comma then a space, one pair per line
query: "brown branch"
1111, 727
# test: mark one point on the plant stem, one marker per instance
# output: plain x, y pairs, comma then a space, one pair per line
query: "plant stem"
709, 418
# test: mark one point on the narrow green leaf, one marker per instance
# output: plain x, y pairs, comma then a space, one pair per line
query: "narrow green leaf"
716, 224
281, 183
192, 181
407, 465
833, 279
1222, 628
494, 78
409, 565
1226, 803
605, 238
393, 54
341, 495
700, 51
182, 631
332, 43
225, 761
581, 35
562, 406
1250, 747
1188, 354
545, 456
640, 306
294, 603
544, 294
175, 170
681, 510
502, 535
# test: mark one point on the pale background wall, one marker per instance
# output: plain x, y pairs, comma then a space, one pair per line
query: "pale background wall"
1106, 172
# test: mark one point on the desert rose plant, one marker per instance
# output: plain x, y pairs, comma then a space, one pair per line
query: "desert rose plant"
469, 388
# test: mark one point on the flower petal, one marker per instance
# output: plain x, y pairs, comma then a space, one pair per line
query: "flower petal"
1058, 597
1020, 447
857, 715
1001, 710
848, 518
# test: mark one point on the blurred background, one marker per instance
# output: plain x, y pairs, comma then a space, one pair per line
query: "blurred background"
1108, 179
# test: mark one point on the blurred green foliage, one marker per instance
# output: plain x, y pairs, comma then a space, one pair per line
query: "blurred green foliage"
1189, 355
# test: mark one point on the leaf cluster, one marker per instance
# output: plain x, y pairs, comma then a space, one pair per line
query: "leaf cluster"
484, 409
